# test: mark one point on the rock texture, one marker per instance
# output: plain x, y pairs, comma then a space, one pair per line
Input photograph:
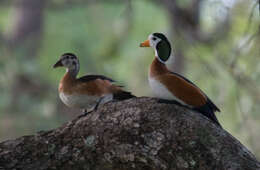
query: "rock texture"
139, 133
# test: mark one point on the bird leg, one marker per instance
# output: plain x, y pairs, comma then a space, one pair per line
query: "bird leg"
169, 102
99, 101
86, 112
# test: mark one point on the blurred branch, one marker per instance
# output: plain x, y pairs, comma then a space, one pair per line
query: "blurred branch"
219, 33
259, 6
249, 22
238, 75
241, 78
244, 81
236, 52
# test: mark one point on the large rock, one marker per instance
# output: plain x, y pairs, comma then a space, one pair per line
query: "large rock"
139, 133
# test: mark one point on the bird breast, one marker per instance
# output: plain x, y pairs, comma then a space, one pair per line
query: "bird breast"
161, 91
78, 100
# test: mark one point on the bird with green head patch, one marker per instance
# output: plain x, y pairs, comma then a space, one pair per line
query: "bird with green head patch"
170, 86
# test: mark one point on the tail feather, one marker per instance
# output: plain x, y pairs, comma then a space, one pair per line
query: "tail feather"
207, 111
123, 95
212, 106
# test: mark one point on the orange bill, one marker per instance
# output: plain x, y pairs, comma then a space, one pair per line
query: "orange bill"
146, 43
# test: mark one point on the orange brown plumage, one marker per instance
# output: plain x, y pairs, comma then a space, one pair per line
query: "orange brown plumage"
96, 87
182, 89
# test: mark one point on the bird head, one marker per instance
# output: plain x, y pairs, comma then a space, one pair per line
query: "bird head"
68, 60
161, 45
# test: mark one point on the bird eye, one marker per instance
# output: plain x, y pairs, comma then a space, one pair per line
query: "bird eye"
153, 38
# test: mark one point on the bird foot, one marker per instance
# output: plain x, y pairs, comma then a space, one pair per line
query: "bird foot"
85, 112
172, 102
168, 101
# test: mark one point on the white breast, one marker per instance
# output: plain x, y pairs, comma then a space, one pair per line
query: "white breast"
162, 92
84, 101
79, 101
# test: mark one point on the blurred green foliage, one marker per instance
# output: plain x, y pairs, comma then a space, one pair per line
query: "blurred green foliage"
106, 37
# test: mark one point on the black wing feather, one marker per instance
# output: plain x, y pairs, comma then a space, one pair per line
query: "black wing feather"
207, 111
122, 95
94, 77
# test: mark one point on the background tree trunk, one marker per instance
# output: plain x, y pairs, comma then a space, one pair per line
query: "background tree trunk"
27, 25
135, 134
22, 43
186, 29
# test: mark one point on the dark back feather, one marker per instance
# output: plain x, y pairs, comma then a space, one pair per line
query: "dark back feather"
123, 95
94, 77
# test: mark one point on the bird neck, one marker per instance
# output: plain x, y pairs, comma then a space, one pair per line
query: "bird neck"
157, 68
66, 82
73, 70
72, 73
169, 62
